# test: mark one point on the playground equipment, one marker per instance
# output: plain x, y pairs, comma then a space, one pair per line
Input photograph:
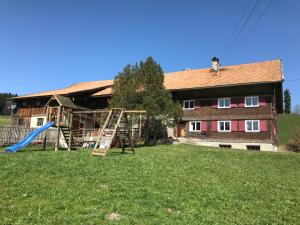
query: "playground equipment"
78, 126
30, 138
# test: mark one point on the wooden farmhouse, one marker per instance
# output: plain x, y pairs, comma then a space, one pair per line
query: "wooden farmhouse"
223, 106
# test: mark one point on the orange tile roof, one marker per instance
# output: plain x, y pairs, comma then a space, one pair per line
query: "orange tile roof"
79, 87
259, 72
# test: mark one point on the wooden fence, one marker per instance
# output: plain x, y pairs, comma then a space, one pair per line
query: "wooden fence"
13, 134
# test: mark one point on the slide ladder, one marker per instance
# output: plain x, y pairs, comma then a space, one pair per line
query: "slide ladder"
108, 132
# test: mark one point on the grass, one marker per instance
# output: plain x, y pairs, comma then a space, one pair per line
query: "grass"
287, 124
4, 120
175, 184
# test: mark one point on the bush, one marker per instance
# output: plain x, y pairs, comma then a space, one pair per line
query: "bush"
294, 144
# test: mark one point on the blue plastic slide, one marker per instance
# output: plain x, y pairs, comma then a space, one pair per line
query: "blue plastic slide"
29, 138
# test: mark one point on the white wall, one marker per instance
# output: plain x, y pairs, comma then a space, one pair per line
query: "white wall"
33, 121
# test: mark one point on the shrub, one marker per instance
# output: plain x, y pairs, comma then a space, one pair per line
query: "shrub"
294, 144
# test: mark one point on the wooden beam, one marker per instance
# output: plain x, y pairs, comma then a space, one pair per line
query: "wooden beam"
107, 111
58, 128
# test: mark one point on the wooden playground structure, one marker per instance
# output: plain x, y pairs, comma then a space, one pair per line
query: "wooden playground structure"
98, 129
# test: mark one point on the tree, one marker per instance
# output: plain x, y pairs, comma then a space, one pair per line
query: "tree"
141, 86
125, 89
297, 109
5, 103
287, 101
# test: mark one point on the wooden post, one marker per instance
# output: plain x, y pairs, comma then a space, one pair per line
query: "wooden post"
70, 127
58, 128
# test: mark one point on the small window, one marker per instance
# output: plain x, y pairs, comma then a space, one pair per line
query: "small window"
225, 146
252, 125
188, 104
195, 126
20, 122
253, 147
251, 101
39, 122
224, 126
224, 103
38, 103
24, 103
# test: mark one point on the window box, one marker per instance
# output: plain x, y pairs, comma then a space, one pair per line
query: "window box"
224, 126
252, 101
188, 104
224, 103
252, 126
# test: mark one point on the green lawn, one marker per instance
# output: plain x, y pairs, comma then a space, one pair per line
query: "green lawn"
175, 184
287, 124
4, 120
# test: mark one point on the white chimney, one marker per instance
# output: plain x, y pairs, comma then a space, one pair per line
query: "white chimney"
215, 64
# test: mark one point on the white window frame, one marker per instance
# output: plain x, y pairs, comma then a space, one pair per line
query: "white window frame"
224, 121
189, 101
191, 127
251, 97
246, 127
224, 107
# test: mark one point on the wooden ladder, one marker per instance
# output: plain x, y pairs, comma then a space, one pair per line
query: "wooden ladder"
108, 132
68, 137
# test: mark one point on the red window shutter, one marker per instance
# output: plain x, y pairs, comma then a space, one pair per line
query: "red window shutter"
233, 103
263, 125
242, 125
214, 103
214, 125
203, 125
234, 125
197, 104
241, 102
262, 101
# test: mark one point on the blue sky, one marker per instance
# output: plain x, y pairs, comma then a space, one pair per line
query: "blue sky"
52, 44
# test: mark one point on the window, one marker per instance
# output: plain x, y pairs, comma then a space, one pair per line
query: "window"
251, 101
38, 103
224, 146
253, 147
188, 104
24, 104
224, 126
224, 103
252, 125
195, 126
39, 122
20, 122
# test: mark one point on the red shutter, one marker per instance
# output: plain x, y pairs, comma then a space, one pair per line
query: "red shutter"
263, 125
234, 125
197, 104
214, 125
242, 125
241, 102
262, 101
203, 125
214, 103
233, 103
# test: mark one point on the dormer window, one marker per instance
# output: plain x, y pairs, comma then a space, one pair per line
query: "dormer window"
224, 103
188, 104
